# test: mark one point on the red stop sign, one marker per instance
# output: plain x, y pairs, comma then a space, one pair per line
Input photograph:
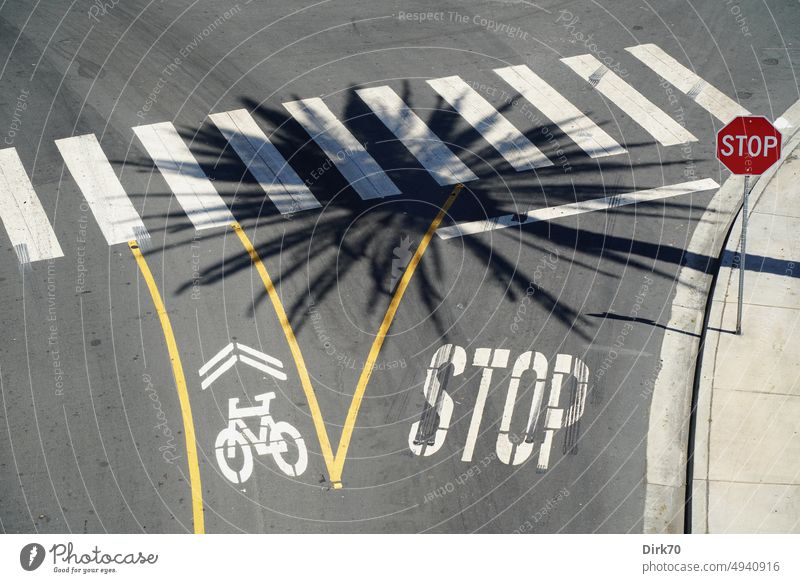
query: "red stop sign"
748, 145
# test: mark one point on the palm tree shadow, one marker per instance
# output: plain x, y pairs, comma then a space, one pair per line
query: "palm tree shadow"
340, 239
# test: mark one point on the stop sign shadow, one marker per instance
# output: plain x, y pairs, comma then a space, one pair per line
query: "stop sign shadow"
748, 145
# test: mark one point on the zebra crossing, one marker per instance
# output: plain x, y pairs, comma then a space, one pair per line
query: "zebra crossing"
444, 166
340, 146
281, 184
490, 123
652, 119
23, 216
194, 191
571, 120
91, 170
706, 96
34, 239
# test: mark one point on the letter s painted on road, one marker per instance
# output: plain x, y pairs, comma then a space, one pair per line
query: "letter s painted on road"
426, 436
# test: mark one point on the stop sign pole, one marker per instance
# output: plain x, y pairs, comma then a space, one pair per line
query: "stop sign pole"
749, 146
742, 255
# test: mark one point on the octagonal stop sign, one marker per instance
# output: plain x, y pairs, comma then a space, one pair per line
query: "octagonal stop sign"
748, 145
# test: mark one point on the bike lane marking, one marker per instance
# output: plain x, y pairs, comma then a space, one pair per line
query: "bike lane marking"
377, 344
302, 371
335, 464
180, 385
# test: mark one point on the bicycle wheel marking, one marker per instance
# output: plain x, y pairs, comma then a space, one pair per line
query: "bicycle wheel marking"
273, 438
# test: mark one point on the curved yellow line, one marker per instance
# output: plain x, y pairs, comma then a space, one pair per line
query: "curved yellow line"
377, 344
302, 371
180, 385
335, 464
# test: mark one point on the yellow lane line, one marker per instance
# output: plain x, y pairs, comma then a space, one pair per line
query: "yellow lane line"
180, 384
335, 465
366, 373
305, 381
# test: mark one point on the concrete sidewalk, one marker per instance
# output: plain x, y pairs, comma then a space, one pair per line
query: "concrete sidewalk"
747, 440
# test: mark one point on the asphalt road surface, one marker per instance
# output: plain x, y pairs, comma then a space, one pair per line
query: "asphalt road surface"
225, 314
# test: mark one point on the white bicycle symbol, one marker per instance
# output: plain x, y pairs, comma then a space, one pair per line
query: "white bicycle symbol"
237, 441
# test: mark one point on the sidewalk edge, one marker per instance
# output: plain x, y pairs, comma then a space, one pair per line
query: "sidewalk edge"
697, 490
671, 404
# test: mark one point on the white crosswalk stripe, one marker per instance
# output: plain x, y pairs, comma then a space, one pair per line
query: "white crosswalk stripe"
576, 208
641, 110
444, 166
115, 215
34, 239
706, 96
195, 193
490, 123
22, 214
580, 129
279, 181
359, 168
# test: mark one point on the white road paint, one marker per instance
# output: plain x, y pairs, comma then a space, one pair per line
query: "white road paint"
706, 96
557, 418
262, 367
427, 440
214, 360
283, 186
237, 441
575, 208
641, 110
190, 185
342, 148
112, 209
581, 130
490, 123
507, 451
488, 359
218, 372
432, 153
260, 355
783, 124
437, 400
24, 218
223, 360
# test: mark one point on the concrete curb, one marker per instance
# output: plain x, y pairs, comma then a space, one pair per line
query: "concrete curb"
697, 510
670, 407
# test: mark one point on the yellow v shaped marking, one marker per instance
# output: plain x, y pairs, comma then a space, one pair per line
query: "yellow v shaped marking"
335, 464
